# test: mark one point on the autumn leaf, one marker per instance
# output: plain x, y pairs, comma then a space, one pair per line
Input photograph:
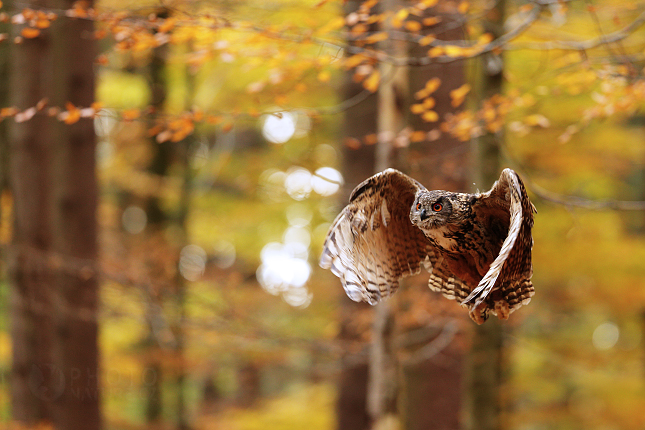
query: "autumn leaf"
399, 17
370, 139
429, 103
324, 76
413, 26
432, 85
436, 51
463, 7
417, 109
372, 82
430, 116
130, 114
426, 40
537, 119
454, 51
485, 39
418, 136
430, 21
376, 37
30, 32
71, 115
459, 94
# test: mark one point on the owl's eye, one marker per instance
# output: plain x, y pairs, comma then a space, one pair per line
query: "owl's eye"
437, 207
418, 206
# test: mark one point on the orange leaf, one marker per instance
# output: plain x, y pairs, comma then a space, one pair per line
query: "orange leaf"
436, 51
71, 115
433, 20
413, 26
130, 114
376, 37
426, 40
372, 82
30, 33
432, 85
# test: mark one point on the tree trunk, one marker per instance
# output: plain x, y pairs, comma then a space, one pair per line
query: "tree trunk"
358, 163
431, 388
54, 282
484, 368
383, 385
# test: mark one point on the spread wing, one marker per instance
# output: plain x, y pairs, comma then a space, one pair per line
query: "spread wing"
512, 269
372, 243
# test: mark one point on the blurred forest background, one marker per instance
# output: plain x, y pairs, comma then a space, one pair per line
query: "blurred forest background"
169, 170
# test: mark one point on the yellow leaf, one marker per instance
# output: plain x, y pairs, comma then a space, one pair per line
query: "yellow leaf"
167, 25
436, 51
537, 119
417, 109
430, 116
429, 3
429, 103
372, 82
426, 40
399, 17
30, 33
376, 37
463, 7
324, 76
460, 93
413, 26
430, 21
485, 39
453, 51
432, 85
354, 61
421, 94
402, 14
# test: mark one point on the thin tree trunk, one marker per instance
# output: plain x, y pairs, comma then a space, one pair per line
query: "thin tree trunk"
383, 385
157, 219
484, 369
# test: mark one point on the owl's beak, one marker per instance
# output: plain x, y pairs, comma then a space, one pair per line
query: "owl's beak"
423, 215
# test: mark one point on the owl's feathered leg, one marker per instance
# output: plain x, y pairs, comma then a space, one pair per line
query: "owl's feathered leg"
502, 309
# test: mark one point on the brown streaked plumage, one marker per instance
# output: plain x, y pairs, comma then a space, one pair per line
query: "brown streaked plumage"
477, 247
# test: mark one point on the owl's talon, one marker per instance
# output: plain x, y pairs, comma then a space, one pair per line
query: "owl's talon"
479, 313
502, 309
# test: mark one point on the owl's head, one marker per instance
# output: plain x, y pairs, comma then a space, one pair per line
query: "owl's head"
433, 209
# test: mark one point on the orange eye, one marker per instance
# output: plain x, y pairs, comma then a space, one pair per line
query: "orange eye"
418, 206
437, 207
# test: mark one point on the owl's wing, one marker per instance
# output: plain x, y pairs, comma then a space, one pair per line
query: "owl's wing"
372, 243
508, 202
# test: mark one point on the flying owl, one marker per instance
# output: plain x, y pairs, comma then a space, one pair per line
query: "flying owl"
477, 247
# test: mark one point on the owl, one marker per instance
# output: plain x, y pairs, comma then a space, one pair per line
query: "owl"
476, 247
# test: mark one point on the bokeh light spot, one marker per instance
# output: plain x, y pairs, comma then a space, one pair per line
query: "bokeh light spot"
279, 128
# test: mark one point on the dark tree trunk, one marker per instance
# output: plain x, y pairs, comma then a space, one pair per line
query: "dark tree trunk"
485, 361
432, 388
54, 283
358, 163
